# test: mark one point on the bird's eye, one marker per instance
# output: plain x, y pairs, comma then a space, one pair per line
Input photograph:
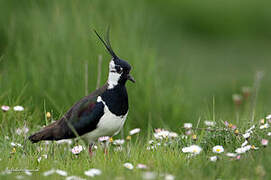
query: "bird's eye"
118, 69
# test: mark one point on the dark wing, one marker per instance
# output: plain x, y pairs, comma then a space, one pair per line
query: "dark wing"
81, 118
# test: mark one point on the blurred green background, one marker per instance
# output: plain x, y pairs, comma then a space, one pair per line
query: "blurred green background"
185, 55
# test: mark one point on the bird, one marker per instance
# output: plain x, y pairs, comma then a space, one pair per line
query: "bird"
101, 113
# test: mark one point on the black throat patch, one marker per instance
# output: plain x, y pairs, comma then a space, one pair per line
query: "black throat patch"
116, 100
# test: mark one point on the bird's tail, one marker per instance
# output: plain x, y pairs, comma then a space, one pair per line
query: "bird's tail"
47, 133
44, 134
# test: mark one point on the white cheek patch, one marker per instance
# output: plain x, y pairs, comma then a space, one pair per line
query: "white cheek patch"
112, 66
113, 77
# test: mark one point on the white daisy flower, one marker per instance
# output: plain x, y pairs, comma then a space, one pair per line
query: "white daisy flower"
93, 172
237, 98
269, 134
151, 141
218, 149
149, 175
128, 166
141, 166
243, 149
187, 125
250, 129
104, 138
5, 108
209, 123
231, 154
74, 178
265, 126
172, 135
245, 143
268, 117
264, 142
246, 135
194, 149
23, 130
28, 173
134, 131
118, 142
18, 108
169, 177
15, 144
61, 172
213, 158
77, 149
48, 173
162, 134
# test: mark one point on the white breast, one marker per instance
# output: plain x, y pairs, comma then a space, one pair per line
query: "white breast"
109, 125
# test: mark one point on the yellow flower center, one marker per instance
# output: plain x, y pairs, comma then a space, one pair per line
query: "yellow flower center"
128, 138
217, 150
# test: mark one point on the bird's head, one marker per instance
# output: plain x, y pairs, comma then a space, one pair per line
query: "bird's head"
119, 70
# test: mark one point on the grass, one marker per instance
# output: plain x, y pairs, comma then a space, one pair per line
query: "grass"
187, 66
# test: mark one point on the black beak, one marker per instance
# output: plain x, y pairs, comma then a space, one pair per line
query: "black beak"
129, 77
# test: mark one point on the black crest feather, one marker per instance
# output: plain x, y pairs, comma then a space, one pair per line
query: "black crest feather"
107, 43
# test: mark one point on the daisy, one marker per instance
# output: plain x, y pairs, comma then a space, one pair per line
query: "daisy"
169, 177
134, 131
264, 142
93, 172
74, 178
243, 149
268, 117
213, 158
48, 173
22, 130
128, 166
237, 99
254, 147
172, 135
187, 125
18, 108
231, 154
77, 149
5, 108
27, 172
218, 149
246, 135
104, 138
15, 144
269, 134
226, 123
118, 142
194, 149
149, 175
265, 126
39, 159
141, 166
245, 143
61, 172
250, 129
209, 123
161, 134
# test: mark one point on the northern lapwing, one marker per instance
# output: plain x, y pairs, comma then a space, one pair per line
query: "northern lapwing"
101, 113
